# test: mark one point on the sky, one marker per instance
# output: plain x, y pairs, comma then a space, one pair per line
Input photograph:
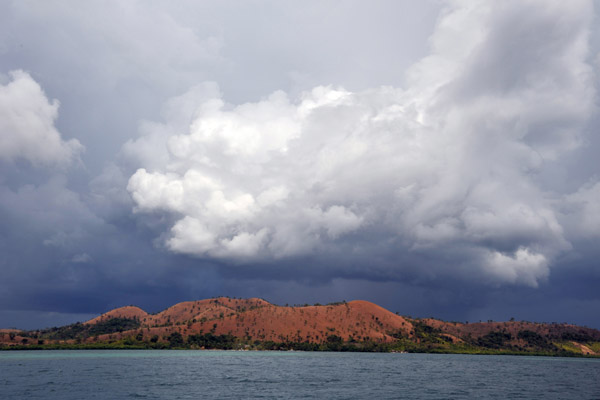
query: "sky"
438, 158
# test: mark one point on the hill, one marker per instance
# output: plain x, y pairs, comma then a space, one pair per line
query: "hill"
228, 323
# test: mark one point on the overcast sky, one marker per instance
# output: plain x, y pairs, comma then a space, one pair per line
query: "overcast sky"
439, 158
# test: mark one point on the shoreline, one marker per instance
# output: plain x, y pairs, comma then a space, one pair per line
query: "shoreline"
475, 353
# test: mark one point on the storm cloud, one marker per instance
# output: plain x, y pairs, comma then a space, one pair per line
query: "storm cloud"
451, 162
438, 158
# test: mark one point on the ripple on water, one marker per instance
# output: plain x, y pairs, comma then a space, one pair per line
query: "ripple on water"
229, 375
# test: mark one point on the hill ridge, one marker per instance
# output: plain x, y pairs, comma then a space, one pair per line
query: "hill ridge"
227, 322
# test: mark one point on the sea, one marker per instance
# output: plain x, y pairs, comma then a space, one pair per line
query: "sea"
205, 374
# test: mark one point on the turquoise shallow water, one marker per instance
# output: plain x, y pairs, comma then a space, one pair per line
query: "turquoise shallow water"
182, 374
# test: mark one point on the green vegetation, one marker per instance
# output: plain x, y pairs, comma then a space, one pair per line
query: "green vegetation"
79, 331
595, 346
568, 347
431, 344
211, 341
535, 340
577, 336
176, 340
113, 325
494, 340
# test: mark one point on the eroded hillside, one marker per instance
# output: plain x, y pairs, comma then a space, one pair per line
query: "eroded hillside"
231, 323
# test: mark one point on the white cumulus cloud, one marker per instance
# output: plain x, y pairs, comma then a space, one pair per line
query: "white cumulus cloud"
27, 128
450, 161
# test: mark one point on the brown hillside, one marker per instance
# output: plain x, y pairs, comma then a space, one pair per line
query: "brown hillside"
256, 322
358, 320
479, 329
5, 336
209, 309
129, 312
257, 319
10, 330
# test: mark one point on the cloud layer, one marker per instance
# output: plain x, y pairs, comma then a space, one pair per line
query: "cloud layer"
448, 165
466, 188
27, 129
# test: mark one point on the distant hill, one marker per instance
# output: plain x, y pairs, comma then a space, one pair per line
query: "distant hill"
229, 323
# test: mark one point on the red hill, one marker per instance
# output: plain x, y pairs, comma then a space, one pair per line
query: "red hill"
127, 312
255, 323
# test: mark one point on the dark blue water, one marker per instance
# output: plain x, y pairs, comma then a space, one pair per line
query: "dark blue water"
291, 375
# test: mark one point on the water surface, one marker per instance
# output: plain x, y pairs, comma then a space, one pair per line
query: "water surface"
173, 374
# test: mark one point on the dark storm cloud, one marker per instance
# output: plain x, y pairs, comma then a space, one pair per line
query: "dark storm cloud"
154, 153
444, 172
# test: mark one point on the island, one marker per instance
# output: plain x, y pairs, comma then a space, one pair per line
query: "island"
255, 324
